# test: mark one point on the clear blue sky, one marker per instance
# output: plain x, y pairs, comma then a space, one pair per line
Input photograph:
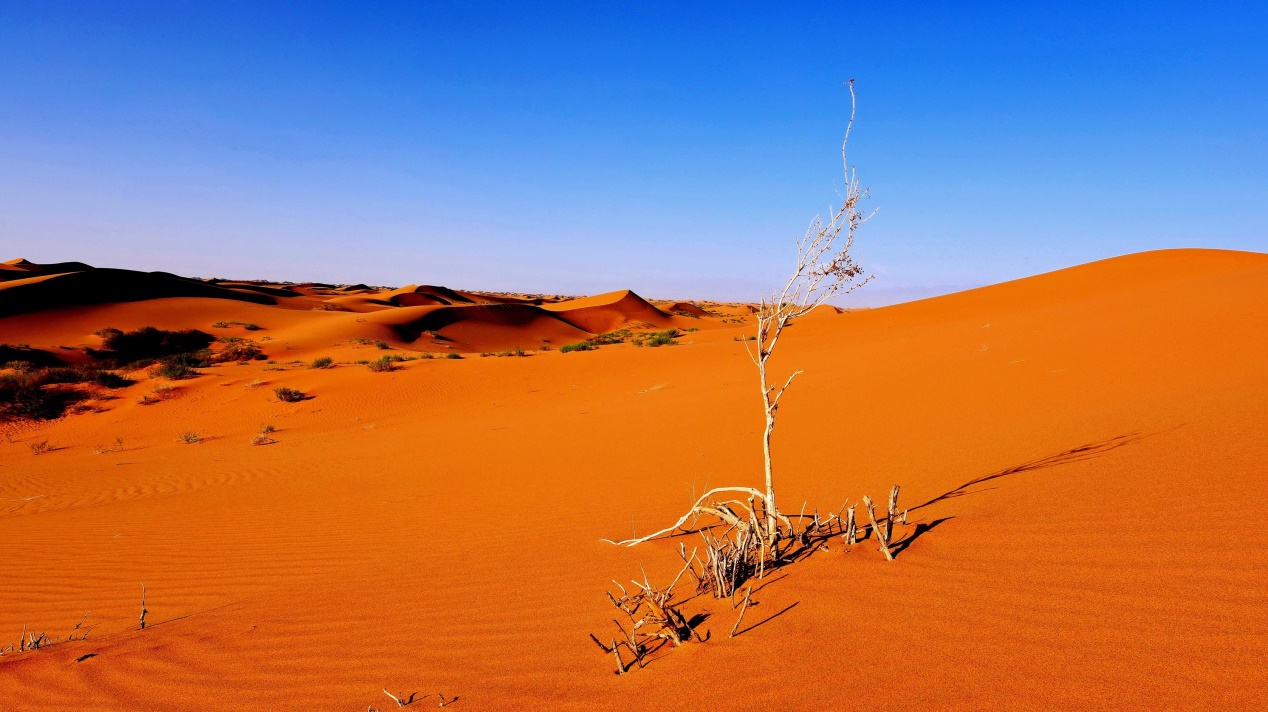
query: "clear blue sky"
576, 148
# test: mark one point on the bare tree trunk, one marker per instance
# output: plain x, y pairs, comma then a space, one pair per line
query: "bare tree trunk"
768, 469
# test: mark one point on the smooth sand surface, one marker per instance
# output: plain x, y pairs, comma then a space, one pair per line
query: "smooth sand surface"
1086, 451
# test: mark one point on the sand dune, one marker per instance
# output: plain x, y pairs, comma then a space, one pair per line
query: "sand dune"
1084, 451
470, 321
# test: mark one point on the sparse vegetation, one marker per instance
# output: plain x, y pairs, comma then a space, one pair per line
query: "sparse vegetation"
103, 449
173, 369
382, 345
657, 338
288, 395
381, 364
147, 344
262, 438
39, 447
579, 346
190, 437
322, 362
454, 356
240, 350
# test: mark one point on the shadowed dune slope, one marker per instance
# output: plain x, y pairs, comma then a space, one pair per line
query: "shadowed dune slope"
1082, 453
102, 286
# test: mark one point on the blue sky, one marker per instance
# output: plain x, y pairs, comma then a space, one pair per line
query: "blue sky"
577, 148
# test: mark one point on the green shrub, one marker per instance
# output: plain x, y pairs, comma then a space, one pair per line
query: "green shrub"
381, 365
323, 362
612, 337
659, 338
453, 355
382, 345
427, 354
579, 346
288, 395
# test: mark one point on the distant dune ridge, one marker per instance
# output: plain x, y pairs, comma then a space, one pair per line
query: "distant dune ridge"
471, 321
1083, 453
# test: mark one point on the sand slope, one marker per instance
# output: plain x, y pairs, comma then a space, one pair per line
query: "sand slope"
1085, 449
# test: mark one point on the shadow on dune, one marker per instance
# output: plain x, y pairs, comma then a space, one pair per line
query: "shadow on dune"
1083, 452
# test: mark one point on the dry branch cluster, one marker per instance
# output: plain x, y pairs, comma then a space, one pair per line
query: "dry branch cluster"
652, 620
734, 552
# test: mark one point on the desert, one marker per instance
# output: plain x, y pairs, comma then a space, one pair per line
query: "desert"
436, 527
657, 356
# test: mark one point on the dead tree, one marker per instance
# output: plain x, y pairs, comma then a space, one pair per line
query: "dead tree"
825, 269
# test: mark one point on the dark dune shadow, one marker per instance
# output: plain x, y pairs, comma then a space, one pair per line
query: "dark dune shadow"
1083, 452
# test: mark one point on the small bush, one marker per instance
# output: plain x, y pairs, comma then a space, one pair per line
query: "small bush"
612, 337
288, 395
381, 365
266, 429
173, 370
148, 343
427, 355
659, 338
579, 346
382, 345
189, 437
453, 355
251, 327
24, 396
39, 447
239, 351
323, 362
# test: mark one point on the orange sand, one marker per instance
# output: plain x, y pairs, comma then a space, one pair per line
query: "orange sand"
1090, 443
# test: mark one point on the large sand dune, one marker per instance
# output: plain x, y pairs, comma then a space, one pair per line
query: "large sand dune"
1085, 450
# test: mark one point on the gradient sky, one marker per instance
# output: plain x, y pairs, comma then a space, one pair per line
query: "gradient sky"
575, 148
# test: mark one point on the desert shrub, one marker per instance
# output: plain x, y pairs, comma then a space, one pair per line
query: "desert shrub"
658, 338
189, 437
288, 395
35, 394
453, 356
39, 447
323, 362
382, 345
110, 379
251, 327
579, 346
612, 337
427, 355
174, 368
381, 365
148, 344
239, 351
